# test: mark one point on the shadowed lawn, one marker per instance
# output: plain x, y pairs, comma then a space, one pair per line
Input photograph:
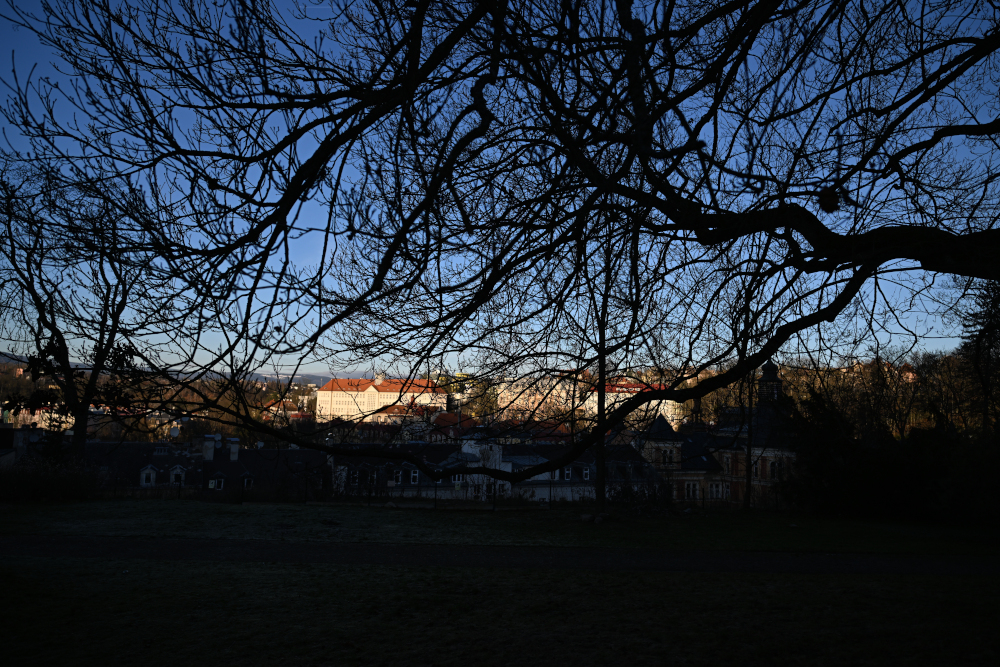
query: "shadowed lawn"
88, 612
721, 530
74, 610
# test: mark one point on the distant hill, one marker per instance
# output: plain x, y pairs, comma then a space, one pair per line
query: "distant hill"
8, 358
301, 378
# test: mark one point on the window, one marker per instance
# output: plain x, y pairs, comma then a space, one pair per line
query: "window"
397, 477
354, 477
248, 482
691, 490
553, 474
756, 468
178, 478
147, 478
567, 474
775, 469
456, 479
586, 474
219, 483
438, 481
414, 476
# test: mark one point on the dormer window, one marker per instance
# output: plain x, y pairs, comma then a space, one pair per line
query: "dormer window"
147, 476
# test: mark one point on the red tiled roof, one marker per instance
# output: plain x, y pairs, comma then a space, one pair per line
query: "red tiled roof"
449, 420
385, 386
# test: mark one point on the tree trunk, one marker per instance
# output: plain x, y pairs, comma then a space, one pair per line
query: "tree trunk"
600, 479
600, 476
748, 473
78, 441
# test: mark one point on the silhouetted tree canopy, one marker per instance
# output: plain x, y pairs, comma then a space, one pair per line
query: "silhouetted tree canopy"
406, 184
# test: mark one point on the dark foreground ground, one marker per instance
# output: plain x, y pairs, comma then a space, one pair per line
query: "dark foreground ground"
156, 582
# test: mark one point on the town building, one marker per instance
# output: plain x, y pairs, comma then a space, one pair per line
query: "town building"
618, 391
356, 399
707, 464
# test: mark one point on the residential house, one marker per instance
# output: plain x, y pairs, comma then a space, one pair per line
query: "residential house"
763, 431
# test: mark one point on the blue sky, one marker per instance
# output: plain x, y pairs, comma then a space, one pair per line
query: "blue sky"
24, 51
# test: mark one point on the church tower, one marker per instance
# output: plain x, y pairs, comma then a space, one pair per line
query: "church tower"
769, 385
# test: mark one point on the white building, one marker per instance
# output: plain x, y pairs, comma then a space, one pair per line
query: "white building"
618, 392
353, 399
539, 397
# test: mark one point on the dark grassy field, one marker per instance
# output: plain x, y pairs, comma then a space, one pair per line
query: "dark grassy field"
701, 531
71, 610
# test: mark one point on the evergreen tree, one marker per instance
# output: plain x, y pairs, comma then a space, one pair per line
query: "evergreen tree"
981, 345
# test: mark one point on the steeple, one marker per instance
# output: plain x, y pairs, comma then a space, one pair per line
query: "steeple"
769, 385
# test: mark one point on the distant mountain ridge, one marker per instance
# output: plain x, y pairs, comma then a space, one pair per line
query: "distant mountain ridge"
300, 378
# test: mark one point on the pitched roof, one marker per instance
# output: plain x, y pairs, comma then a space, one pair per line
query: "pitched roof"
450, 419
660, 429
393, 386
696, 454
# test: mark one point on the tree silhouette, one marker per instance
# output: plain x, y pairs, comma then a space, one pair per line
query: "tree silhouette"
446, 170
79, 303
981, 346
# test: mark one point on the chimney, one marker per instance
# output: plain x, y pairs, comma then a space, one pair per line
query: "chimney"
208, 450
234, 451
